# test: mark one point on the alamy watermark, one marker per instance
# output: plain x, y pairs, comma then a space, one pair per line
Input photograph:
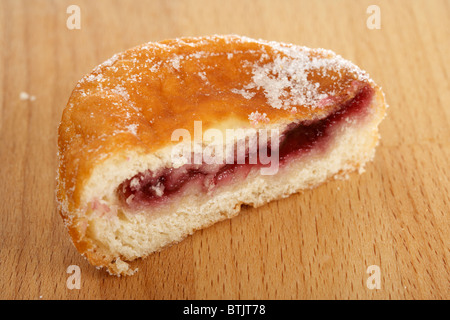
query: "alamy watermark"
74, 280
74, 20
374, 279
374, 20
236, 146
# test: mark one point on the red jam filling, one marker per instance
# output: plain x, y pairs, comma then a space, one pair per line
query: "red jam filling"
150, 188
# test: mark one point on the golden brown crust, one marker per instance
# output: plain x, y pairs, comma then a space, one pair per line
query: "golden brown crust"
135, 100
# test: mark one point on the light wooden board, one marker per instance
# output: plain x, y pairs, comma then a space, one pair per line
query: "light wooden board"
318, 244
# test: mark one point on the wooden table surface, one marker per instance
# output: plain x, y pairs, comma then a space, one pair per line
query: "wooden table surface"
315, 245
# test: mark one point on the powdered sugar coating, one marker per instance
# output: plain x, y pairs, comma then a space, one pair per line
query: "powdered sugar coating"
256, 118
284, 75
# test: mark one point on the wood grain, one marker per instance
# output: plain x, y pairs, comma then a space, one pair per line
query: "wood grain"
312, 245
